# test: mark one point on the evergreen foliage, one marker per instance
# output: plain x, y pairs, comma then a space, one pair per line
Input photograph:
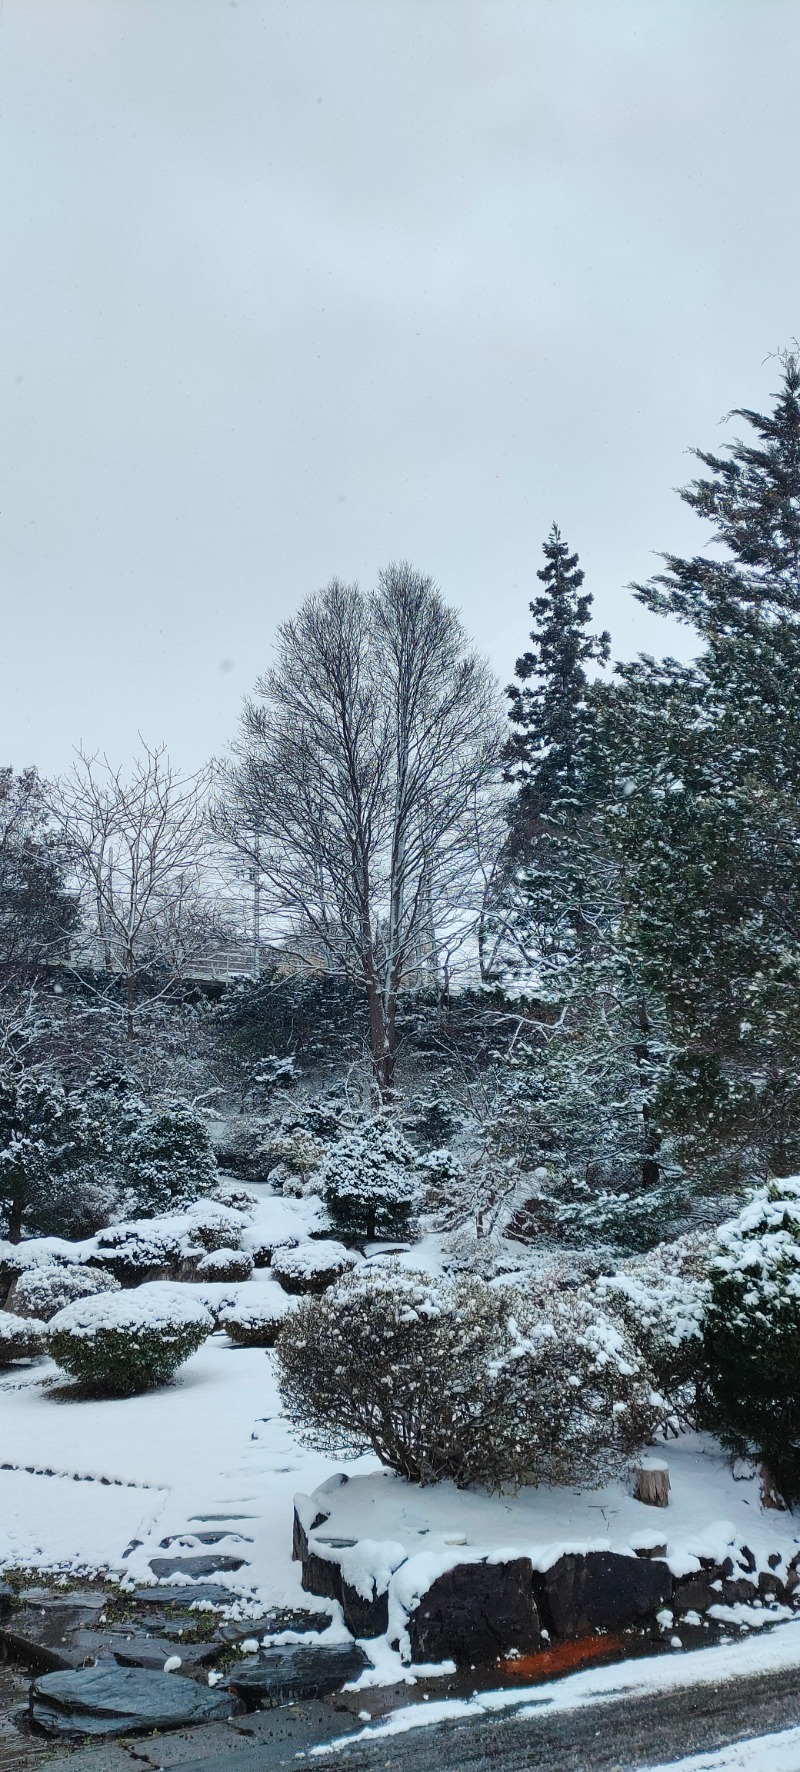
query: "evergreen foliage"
369, 1181
169, 1161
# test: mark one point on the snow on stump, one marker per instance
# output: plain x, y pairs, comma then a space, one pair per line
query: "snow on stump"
21, 1338
650, 1482
312, 1266
42, 1291
254, 1321
121, 1343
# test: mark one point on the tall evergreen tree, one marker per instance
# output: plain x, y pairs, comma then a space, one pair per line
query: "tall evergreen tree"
708, 825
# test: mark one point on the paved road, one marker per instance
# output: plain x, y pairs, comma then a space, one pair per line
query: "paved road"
621, 1736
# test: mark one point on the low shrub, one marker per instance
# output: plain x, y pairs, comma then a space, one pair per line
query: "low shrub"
254, 1321
115, 1345
42, 1291
664, 1315
21, 1338
238, 1198
455, 1378
369, 1181
225, 1264
211, 1225
752, 1333
136, 1253
263, 1244
297, 1153
312, 1266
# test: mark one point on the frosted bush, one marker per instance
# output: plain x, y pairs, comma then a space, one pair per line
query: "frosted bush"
294, 1154
262, 1244
312, 1266
455, 1378
254, 1319
369, 1181
137, 1252
21, 1338
664, 1315
121, 1343
753, 1332
42, 1291
238, 1198
225, 1264
210, 1225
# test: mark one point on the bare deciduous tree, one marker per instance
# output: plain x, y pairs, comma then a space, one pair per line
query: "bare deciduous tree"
137, 846
354, 781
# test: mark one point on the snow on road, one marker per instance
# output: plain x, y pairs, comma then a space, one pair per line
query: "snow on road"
762, 1753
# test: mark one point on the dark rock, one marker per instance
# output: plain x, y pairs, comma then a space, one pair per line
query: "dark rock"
694, 1593
651, 1550
770, 1585
321, 1576
191, 1594
272, 1624
280, 1676
365, 1618
746, 1559
43, 1636
138, 1649
740, 1592
190, 1538
194, 1567
600, 1591
121, 1701
7, 1598
476, 1612
300, 1532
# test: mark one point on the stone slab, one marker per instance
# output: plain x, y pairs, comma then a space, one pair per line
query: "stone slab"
140, 1649
194, 1567
294, 1671
121, 1701
475, 1613
272, 1624
43, 1636
189, 1593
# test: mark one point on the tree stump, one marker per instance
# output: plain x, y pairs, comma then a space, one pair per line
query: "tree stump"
651, 1482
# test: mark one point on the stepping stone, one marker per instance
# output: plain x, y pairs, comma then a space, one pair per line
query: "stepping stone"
43, 1636
192, 1593
281, 1676
194, 1567
137, 1649
108, 1701
190, 1538
273, 1624
202, 1518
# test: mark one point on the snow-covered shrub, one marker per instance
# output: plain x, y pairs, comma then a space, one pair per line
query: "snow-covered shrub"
169, 1161
262, 1244
225, 1264
254, 1320
753, 1332
238, 1198
369, 1181
76, 1204
16, 1258
566, 1208
21, 1338
311, 1266
136, 1252
441, 1171
42, 1291
211, 1225
456, 1378
295, 1153
118, 1344
664, 1315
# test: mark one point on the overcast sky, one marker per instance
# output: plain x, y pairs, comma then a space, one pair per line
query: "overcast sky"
293, 288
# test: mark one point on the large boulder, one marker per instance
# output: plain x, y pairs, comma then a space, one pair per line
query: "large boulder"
475, 1613
600, 1590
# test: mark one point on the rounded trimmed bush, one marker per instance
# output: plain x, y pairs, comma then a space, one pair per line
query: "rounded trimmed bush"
225, 1264
263, 1244
21, 1338
43, 1291
455, 1378
136, 1253
213, 1226
311, 1266
118, 1344
235, 1196
254, 1321
369, 1181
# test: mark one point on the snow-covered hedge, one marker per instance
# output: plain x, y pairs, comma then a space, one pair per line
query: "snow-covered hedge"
753, 1332
369, 1181
118, 1344
311, 1266
225, 1264
456, 1378
21, 1338
210, 1225
137, 1252
254, 1321
42, 1291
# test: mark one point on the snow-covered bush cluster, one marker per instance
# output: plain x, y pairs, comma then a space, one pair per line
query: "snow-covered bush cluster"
225, 1264
311, 1266
294, 1158
42, 1290
753, 1332
137, 1251
208, 1224
455, 1378
369, 1181
21, 1338
255, 1319
664, 1315
128, 1342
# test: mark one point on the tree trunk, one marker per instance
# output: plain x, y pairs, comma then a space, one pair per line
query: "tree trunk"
15, 1211
129, 1000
